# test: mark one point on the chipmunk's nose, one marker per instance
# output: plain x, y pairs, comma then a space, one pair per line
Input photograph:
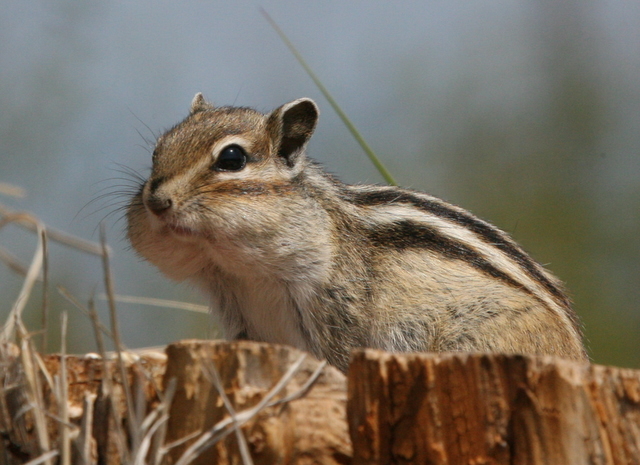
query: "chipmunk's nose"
156, 197
158, 203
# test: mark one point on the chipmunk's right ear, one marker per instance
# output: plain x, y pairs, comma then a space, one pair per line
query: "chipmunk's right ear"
199, 104
291, 127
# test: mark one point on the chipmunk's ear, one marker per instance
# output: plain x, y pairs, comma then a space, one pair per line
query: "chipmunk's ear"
199, 104
291, 127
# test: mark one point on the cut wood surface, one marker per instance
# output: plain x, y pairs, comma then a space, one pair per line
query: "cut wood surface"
491, 409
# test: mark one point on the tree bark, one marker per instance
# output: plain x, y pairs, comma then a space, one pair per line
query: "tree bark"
491, 409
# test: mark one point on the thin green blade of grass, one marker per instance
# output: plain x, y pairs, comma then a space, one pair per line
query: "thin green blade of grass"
345, 119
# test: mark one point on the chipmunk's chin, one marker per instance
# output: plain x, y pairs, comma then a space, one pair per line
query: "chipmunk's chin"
182, 231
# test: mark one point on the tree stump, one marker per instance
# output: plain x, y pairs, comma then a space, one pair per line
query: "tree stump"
108, 428
312, 429
452, 409
400, 408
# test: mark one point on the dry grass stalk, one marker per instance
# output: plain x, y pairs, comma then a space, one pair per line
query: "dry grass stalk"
63, 396
84, 441
34, 401
214, 377
24, 406
34, 270
14, 263
53, 234
115, 330
11, 190
44, 458
129, 299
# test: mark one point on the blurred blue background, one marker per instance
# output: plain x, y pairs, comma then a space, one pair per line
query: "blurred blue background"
526, 113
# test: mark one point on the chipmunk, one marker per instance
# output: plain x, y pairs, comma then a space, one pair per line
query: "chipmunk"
289, 254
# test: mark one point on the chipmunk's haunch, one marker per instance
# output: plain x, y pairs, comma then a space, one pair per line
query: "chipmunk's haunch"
289, 254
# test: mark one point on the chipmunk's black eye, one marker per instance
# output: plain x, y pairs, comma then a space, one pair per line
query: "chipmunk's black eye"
231, 158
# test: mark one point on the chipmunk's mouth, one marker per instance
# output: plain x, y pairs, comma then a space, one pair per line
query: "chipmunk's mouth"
182, 231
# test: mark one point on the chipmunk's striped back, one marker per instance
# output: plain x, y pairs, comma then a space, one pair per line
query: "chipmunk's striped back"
290, 254
421, 221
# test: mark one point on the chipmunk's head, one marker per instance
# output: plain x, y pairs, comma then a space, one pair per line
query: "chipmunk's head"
229, 149
225, 145
223, 175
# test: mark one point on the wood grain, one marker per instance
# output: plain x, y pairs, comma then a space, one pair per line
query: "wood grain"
491, 409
